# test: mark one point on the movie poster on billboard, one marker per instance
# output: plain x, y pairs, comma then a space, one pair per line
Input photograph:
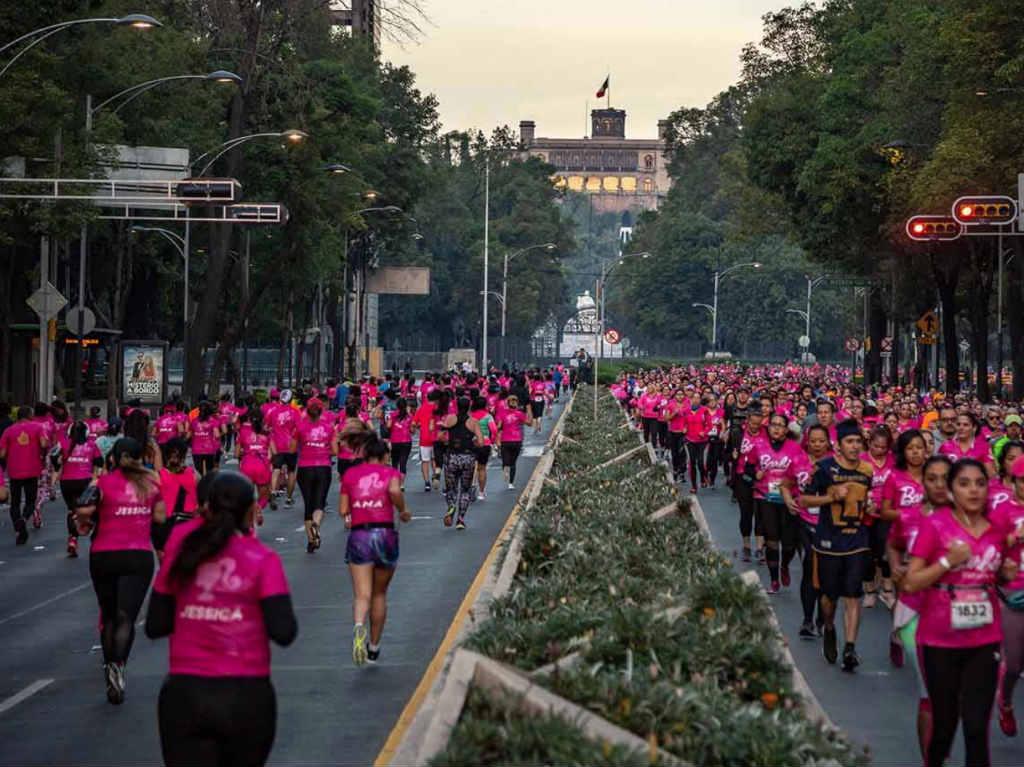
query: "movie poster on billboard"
143, 371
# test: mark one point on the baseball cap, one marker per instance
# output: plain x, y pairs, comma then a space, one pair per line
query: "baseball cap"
1013, 419
275, 393
286, 396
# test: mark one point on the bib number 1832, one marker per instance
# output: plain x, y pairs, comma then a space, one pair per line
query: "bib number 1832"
972, 614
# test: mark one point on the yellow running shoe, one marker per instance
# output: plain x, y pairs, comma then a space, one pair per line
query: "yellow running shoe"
359, 644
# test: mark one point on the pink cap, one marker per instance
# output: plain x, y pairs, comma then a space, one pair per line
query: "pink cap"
275, 393
314, 401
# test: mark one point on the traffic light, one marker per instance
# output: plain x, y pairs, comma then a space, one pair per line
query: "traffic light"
985, 209
926, 228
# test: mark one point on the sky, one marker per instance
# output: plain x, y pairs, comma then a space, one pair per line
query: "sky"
496, 62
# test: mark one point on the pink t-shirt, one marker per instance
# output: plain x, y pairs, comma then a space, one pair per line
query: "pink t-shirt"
23, 442
902, 535
366, 486
167, 427
123, 517
282, 428
218, 620
978, 450
97, 426
1008, 515
204, 437
171, 483
314, 443
748, 443
901, 490
774, 466
400, 428
253, 444
649, 405
511, 424
998, 493
698, 423
879, 475
975, 610
78, 460
800, 471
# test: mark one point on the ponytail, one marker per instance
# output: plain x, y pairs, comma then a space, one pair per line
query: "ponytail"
231, 497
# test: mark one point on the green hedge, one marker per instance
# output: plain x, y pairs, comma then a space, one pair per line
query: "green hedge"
710, 686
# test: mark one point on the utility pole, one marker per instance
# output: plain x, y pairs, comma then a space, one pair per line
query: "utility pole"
487, 222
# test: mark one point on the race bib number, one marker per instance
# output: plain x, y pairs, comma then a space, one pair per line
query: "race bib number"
971, 614
774, 494
538, 398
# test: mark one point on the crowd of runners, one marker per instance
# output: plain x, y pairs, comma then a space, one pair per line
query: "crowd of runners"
182, 493
909, 500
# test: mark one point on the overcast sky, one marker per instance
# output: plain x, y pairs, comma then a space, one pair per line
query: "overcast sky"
492, 62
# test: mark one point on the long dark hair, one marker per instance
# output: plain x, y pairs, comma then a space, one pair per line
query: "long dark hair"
256, 421
231, 496
136, 426
78, 433
126, 455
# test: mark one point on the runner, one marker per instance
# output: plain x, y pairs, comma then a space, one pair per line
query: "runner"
750, 437
317, 443
959, 633
716, 445
220, 595
370, 494
97, 426
122, 508
880, 456
698, 426
22, 448
510, 438
483, 453
283, 420
537, 400
465, 437
426, 424
841, 487
349, 454
674, 413
80, 465
400, 437
1009, 515
968, 443
178, 483
136, 426
255, 451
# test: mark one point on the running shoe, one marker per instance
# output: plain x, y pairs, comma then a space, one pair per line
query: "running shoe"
481, 496
310, 547
746, 554
288, 501
807, 630
426, 487
315, 530
829, 647
37, 520
773, 588
785, 575
116, 683
461, 524
372, 655
449, 516
20, 533
511, 486
72, 547
359, 654
505, 474
870, 599
850, 659
888, 598
895, 651
1007, 721
273, 502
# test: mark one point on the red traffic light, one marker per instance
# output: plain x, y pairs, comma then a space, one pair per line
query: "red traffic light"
927, 228
985, 209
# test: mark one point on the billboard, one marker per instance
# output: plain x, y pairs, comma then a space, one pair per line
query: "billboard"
144, 372
400, 281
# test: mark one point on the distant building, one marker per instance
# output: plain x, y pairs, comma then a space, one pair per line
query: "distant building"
362, 16
622, 174
581, 331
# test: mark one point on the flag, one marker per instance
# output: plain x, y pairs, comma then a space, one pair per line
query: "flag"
604, 87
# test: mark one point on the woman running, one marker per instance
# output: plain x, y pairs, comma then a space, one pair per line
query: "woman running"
716, 447
348, 453
698, 426
204, 434
511, 421
124, 505
1009, 515
136, 426
674, 412
178, 482
968, 444
23, 446
370, 494
425, 422
879, 455
221, 596
317, 443
81, 463
255, 451
537, 400
464, 437
400, 436
959, 632
483, 453
902, 534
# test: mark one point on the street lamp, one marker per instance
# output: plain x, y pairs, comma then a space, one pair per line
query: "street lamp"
291, 136
181, 245
606, 269
217, 76
714, 308
549, 247
134, 20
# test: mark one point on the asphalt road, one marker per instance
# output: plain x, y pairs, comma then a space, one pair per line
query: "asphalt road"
877, 705
53, 708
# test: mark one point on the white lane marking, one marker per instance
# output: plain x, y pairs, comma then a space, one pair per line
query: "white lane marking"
51, 600
298, 530
28, 692
38, 548
532, 451
280, 540
422, 517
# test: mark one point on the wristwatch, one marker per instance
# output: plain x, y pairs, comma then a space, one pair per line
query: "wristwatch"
945, 562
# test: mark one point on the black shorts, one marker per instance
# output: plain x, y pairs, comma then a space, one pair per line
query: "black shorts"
344, 464
204, 462
840, 575
291, 460
483, 455
777, 523
537, 408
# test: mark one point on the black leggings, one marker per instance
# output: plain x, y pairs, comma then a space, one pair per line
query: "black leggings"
780, 535
71, 489
30, 488
222, 721
509, 455
650, 430
677, 452
695, 451
961, 684
400, 456
314, 482
204, 462
121, 580
878, 534
714, 457
808, 594
745, 499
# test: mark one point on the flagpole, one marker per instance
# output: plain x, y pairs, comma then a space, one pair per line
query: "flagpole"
586, 117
